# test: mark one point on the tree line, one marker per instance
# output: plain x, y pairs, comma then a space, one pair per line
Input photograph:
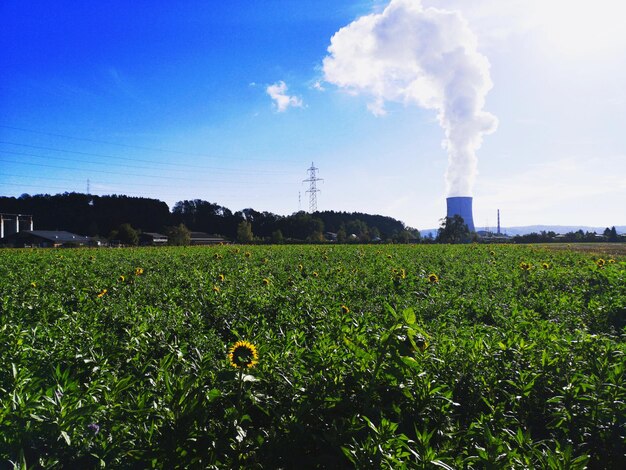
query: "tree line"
124, 217
608, 235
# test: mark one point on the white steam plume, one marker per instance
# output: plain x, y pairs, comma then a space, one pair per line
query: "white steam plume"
424, 56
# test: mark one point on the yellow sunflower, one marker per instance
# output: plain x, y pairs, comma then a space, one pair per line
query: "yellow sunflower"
433, 278
138, 271
345, 309
243, 354
600, 263
101, 294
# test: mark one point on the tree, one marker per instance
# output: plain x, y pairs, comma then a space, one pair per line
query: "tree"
178, 236
244, 232
453, 230
301, 225
611, 234
277, 237
316, 237
127, 235
403, 237
358, 228
341, 235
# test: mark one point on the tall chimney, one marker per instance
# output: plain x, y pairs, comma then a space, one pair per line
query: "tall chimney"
498, 221
461, 206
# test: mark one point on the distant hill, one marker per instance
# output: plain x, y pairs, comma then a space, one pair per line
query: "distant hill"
538, 229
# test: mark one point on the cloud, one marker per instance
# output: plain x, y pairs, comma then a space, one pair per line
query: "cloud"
282, 101
419, 56
318, 86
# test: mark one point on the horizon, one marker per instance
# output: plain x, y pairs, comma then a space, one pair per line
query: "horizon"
425, 231
230, 103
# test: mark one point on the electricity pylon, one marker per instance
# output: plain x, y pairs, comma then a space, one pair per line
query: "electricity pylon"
312, 179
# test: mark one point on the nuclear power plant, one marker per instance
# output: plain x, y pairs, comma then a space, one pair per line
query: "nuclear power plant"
461, 206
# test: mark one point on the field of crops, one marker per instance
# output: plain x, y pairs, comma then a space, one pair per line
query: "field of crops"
360, 357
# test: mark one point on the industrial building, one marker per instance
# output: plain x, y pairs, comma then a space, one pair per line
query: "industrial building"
152, 239
45, 239
14, 223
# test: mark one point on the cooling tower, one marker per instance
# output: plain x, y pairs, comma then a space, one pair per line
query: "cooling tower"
461, 206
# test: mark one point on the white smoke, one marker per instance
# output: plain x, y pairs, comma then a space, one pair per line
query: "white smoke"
425, 56
282, 101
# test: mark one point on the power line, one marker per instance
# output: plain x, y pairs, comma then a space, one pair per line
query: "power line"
139, 147
44, 165
152, 162
98, 182
139, 167
73, 180
157, 194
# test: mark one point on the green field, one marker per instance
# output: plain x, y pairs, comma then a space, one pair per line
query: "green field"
368, 357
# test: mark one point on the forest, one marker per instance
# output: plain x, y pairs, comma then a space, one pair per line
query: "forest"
92, 215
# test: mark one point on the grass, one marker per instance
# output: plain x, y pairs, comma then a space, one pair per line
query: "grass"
119, 358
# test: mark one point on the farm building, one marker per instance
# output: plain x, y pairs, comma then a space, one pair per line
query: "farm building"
45, 239
13, 223
201, 238
152, 239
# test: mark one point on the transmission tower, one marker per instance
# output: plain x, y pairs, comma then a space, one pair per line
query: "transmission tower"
312, 179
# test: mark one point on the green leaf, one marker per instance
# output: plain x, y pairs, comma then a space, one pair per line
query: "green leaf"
213, 394
371, 425
411, 362
441, 464
409, 316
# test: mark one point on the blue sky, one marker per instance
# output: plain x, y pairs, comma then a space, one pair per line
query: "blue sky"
231, 102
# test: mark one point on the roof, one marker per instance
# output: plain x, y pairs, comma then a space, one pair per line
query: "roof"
203, 235
154, 234
57, 236
201, 238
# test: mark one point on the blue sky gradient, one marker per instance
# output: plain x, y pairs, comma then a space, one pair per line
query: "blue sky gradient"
170, 100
